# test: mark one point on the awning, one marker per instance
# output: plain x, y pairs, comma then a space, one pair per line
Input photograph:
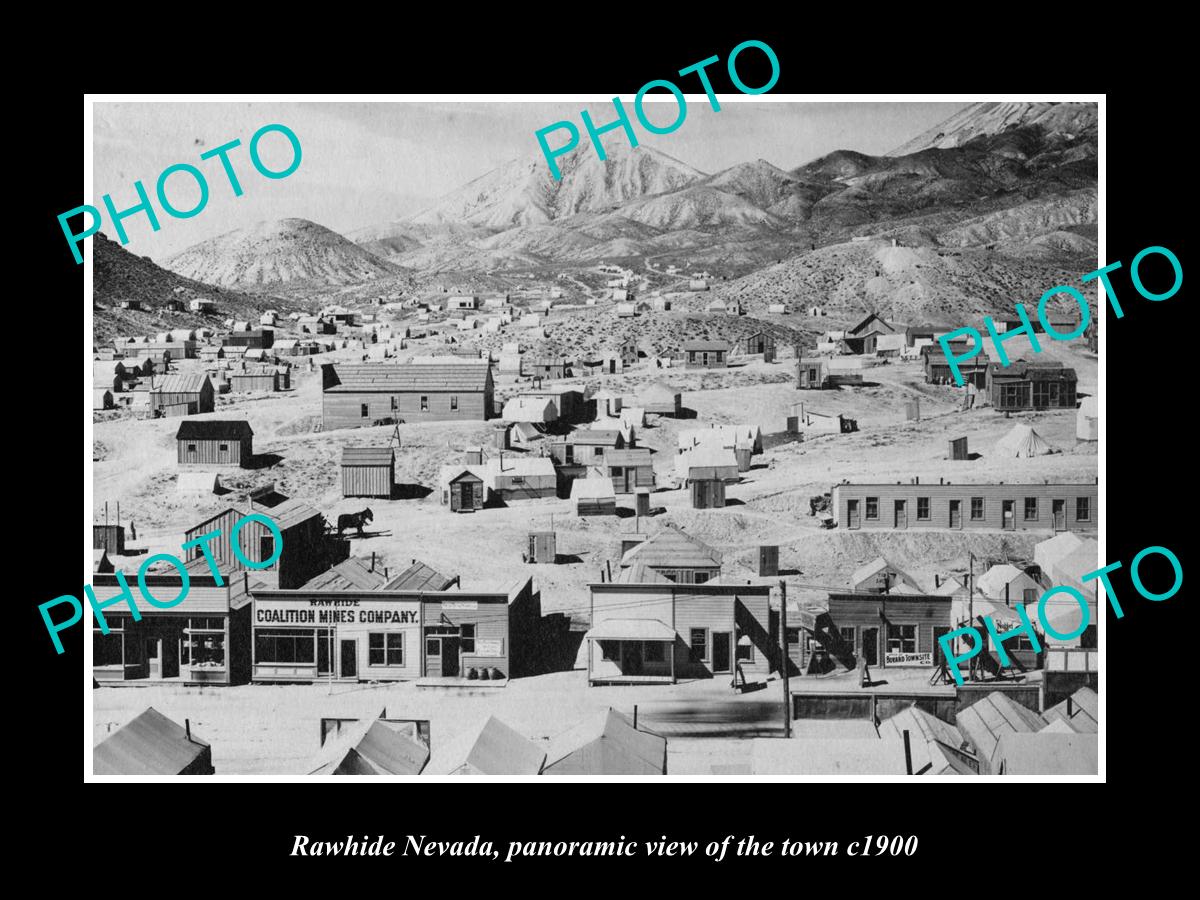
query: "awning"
631, 630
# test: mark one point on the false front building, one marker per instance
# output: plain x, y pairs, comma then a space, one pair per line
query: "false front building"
355, 396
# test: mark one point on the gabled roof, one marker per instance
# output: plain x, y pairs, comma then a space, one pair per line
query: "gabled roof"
1084, 715
175, 383
607, 743
349, 574
673, 548
524, 466
701, 346
880, 564
372, 747
925, 731
463, 376
992, 582
213, 430
985, 720
453, 472
639, 457
367, 456
490, 748
419, 577
872, 322
603, 437
1047, 753
150, 744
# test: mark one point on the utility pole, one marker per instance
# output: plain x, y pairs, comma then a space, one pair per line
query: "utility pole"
971, 610
787, 693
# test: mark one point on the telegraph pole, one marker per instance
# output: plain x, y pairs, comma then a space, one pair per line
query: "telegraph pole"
787, 693
971, 611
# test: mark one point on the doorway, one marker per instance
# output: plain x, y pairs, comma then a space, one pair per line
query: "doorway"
722, 650
1010, 515
467, 496
449, 657
1059, 509
938, 656
901, 514
870, 646
631, 657
153, 658
349, 654
956, 514
852, 514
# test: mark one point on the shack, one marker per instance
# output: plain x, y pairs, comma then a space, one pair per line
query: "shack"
260, 379
545, 367
463, 487
215, 442
368, 472
594, 497
514, 477
705, 354
151, 744
629, 469
194, 391
488, 748
1028, 385
607, 743
758, 342
662, 399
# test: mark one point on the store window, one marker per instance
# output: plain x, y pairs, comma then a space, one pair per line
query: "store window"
1041, 394
976, 507
1031, 510
107, 649
296, 646
205, 645
1012, 395
922, 508
363, 411
1083, 509
745, 651
699, 577
793, 636
698, 641
191, 448
609, 650
902, 639
385, 648
424, 404
467, 637
454, 401
653, 651
872, 507
847, 633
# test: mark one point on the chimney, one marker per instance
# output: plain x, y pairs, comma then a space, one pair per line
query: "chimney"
937, 580
187, 728
907, 753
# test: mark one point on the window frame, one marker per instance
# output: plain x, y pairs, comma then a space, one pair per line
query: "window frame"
872, 503
1086, 504
928, 501
454, 402
364, 411
1027, 517
982, 509
654, 651
902, 640
424, 402
464, 639
706, 656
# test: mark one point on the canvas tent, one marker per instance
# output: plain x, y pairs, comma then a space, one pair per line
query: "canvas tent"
372, 747
530, 409
1022, 442
594, 496
489, 748
1047, 753
936, 745
1087, 420
198, 483
607, 744
985, 721
152, 744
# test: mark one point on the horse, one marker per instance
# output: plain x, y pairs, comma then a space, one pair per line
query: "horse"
354, 520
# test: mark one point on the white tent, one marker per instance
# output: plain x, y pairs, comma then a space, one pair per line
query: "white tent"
198, 482
1022, 441
1087, 420
530, 409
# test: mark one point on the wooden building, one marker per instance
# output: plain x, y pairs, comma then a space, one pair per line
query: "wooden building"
260, 339
110, 538
705, 354
630, 469
548, 368
463, 487
102, 398
152, 745
859, 338
758, 342
586, 447
305, 549
707, 493
647, 630
368, 472
513, 477
937, 367
361, 395
990, 507
662, 399
1031, 385
215, 442
203, 305
594, 497
195, 392
812, 373
570, 402
264, 379
389, 635
202, 640
675, 556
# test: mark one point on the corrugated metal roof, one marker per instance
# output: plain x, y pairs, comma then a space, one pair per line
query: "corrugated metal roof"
367, 456
350, 574
180, 384
464, 376
419, 577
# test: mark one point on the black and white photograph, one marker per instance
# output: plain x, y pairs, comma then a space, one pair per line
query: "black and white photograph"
477, 438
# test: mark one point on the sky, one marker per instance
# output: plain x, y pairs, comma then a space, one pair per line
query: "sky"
369, 163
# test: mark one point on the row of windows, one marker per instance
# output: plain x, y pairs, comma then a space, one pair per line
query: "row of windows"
1083, 508
700, 647
365, 409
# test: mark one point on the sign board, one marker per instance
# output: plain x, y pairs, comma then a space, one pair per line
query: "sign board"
322, 611
461, 605
489, 647
908, 659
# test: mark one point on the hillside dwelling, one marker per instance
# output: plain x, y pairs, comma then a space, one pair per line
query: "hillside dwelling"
777, 309
358, 395
707, 462
215, 442
316, 325
887, 630
812, 374
609, 364
661, 399
705, 354
937, 367
586, 447
728, 436
102, 398
629, 470
734, 308
697, 284
822, 423
913, 334
130, 304
594, 496
546, 368
618, 293
1009, 585
488, 748
210, 353
1028, 385
512, 477
257, 355
203, 639
264, 379
530, 410
195, 392
607, 743
462, 303
675, 556
662, 304
262, 339
758, 342
989, 507
626, 310
203, 305
368, 472
395, 635
648, 630
463, 487
152, 744
1087, 420
881, 576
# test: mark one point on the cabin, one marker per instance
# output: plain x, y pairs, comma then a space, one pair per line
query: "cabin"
594, 496
989, 507
705, 354
151, 744
812, 373
662, 399
359, 395
548, 368
215, 442
211, 353
130, 304
647, 629
708, 462
697, 284
858, 339
463, 487
570, 402
1029, 385
102, 398
629, 470
260, 339
586, 447
368, 472
974, 371
675, 556
462, 303
758, 342
537, 410
626, 310
514, 477
203, 305
265, 379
